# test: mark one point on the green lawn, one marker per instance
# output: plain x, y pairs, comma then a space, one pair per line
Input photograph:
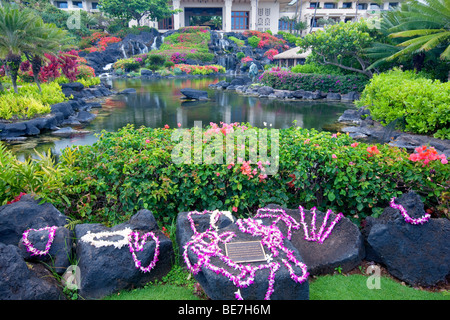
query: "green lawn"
329, 287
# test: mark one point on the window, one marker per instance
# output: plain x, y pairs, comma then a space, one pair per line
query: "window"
78, 4
62, 4
239, 20
347, 5
362, 6
165, 24
329, 5
285, 25
393, 5
374, 6
95, 5
313, 5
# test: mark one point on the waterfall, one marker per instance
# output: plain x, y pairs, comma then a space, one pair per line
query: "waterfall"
223, 42
123, 51
154, 47
144, 49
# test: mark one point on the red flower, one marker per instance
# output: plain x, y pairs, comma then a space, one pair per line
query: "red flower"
372, 150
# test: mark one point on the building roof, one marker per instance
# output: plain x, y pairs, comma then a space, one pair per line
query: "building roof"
293, 54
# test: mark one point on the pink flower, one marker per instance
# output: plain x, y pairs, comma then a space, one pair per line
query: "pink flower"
231, 165
444, 161
235, 209
179, 125
218, 174
306, 141
333, 156
147, 141
354, 144
334, 135
166, 126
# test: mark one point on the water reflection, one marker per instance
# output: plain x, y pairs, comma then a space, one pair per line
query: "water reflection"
159, 102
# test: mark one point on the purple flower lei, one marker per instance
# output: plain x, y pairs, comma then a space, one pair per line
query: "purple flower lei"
29, 245
406, 216
136, 245
206, 245
320, 236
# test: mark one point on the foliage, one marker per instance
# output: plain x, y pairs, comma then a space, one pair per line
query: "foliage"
132, 169
287, 80
240, 43
136, 9
253, 41
342, 45
33, 176
423, 103
129, 64
201, 70
316, 68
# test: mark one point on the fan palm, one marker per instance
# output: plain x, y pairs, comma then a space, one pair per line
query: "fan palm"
426, 24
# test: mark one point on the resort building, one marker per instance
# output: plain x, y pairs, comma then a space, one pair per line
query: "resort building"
260, 15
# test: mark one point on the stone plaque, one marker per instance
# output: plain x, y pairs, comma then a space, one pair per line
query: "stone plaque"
246, 251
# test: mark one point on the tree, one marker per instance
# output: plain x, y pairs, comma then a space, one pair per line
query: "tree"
425, 25
136, 9
17, 28
342, 45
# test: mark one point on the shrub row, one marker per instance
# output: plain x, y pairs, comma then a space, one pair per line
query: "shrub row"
287, 80
132, 169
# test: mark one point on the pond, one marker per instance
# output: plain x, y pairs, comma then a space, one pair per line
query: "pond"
159, 102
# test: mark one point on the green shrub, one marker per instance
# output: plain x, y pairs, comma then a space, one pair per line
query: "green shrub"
287, 80
253, 41
240, 43
168, 64
240, 55
423, 103
317, 69
127, 65
132, 169
29, 102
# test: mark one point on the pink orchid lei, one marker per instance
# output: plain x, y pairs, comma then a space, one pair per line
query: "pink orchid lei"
29, 245
406, 216
319, 237
136, 245
206, 245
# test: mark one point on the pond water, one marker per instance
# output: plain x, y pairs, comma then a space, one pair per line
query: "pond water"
159, 102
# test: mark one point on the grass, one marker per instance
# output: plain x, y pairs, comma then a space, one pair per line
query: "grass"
178, 285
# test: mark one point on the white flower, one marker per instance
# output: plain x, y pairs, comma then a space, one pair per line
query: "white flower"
92, 238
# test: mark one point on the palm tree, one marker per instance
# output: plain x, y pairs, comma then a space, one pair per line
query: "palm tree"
16, 36
49, 39
24, 33
426, 24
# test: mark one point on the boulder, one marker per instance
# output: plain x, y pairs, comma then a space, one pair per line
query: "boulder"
64, 107
127, 91
194, 94
265, 91
17, 217
343, 248
309, 95
58, 257
298, 94
85, 117
416, 254
350, 96
218, 285
20, 280
333, 96
75, 86
106, 263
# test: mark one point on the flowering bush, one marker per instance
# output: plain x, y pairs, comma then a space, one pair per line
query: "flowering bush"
246, 60
271, 53
287, 80
425, 155
264, 40
308, 174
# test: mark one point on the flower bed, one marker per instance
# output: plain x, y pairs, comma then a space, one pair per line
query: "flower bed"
287, 80
199, 70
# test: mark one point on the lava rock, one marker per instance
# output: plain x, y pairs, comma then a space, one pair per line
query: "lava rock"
219, 287
265, 91
343, 248
415, 254
75, 86
109, 267
17, 217
194, 94
20, 280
